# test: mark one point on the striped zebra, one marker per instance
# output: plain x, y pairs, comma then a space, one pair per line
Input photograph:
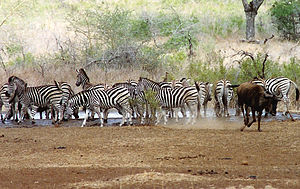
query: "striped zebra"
33, 97
171, 98
97, 100
205, 91
67, 93
223, 96
280, 87
138, 103
84, 81
132, 82
12, 107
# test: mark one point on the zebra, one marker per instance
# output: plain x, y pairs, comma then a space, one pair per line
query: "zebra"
34, 97
97, 100
84, 81
12, 107
280, 87
205, 90
132, 82
171, 98
223, 95
137, 99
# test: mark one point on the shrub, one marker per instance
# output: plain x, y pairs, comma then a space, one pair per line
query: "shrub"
286, 18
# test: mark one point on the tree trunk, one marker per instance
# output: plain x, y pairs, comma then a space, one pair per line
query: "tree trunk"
251, 9
250, 25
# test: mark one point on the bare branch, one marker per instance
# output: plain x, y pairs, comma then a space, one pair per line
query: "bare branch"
12, 12
263, 68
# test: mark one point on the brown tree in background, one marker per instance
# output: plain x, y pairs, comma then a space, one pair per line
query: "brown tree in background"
251, 9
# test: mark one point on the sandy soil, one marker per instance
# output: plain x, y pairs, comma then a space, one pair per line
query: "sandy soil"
208, 155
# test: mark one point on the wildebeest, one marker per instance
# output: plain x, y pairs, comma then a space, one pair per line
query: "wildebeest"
255, 97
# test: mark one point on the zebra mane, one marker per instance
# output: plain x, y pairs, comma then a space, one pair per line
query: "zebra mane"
81, 70
148, 80
17, 80
123, 85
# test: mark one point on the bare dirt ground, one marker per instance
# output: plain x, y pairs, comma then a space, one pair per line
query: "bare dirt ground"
208, 155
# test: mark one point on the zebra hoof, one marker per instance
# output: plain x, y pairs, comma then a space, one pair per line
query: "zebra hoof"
32, 122
105, 120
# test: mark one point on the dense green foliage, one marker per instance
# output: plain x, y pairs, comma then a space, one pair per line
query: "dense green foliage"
286, 14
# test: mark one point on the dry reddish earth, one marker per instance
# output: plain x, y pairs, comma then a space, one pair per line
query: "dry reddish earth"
202, 156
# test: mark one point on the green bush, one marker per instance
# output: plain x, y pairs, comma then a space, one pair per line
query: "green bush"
286, 18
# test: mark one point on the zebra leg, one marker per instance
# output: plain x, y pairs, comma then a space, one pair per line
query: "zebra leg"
195, 113
165, 116
105, 115
287, 103
220, 100
139, 111
176, 111
183, 111
97, 110
33, 112
159, 114
189, 118
124, 117
199, 109
226, 110
87, 111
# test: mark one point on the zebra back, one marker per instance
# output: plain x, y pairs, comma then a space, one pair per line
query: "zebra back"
205, 90
110, 98
40, 96
224, 90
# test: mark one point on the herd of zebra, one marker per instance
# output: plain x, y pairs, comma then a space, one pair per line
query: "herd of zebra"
129, 98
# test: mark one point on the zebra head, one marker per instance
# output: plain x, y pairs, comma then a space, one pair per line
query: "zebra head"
16, 86
82, 77
145, 84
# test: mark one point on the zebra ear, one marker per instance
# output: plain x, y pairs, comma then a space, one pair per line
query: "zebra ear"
197, 86
77, 71
25, 87
57, 84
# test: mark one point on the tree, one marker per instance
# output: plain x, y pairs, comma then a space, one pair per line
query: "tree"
251, 9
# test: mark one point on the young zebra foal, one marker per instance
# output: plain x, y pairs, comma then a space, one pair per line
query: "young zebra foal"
98, 100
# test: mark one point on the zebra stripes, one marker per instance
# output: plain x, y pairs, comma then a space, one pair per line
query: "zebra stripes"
280, 87
11, 107
171, 98
205, 90
223, 95
97, 100
34, 97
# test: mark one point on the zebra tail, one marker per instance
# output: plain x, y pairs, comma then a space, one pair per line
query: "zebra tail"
197, 86
297, 90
